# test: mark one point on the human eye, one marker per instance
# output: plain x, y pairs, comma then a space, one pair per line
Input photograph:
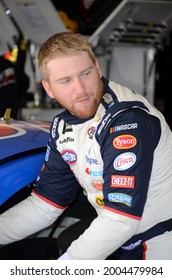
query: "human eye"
86, 73
64, 81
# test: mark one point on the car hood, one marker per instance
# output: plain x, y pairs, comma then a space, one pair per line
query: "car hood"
18, 138
22, 152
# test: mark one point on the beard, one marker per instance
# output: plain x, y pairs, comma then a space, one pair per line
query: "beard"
89, 110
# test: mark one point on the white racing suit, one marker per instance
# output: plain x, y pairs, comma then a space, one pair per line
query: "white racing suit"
122, 158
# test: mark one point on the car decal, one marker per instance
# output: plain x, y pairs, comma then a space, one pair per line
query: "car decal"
10, 131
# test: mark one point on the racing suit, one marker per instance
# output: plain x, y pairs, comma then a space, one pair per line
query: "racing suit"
121, 157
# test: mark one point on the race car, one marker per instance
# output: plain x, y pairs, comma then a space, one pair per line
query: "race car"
22, 151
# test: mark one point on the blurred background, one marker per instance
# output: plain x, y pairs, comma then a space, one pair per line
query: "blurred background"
132, 40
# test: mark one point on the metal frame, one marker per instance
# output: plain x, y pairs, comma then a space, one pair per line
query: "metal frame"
136, 22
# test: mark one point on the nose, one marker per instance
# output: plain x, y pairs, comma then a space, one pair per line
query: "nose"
78, 86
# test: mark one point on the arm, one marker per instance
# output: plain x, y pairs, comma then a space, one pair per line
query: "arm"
54, 190
27, 217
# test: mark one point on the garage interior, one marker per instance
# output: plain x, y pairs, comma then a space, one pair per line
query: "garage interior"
115, 29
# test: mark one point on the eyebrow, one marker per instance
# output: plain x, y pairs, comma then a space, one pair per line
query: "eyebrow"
67, 77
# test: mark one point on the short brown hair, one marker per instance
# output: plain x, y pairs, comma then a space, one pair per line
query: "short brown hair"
64, 43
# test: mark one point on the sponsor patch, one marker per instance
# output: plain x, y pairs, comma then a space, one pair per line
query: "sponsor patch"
92, 160
120, 198
69, 156
122, 127
122, 181
93, 172
108, 98
99, 200
124, 141
97, 184
124, 161
67, 128
91, 131
66, 140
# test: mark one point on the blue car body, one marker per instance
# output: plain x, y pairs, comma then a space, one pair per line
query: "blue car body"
22, 152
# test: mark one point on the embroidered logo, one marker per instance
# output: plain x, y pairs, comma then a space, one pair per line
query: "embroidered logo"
91, 131
124, 161
97, 184
120, 198
99, 200
126, 126
69, 156
124, 142
118, 181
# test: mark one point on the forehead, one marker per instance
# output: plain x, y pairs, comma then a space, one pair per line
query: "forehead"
68, 65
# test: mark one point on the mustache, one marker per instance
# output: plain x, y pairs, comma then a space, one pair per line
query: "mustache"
83, 96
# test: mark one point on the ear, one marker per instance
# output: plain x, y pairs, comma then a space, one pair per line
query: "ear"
98, 67
47, 88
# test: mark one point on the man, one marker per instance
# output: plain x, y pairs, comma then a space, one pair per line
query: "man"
111, 142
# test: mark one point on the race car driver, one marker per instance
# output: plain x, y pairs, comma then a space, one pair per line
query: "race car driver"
111, 142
